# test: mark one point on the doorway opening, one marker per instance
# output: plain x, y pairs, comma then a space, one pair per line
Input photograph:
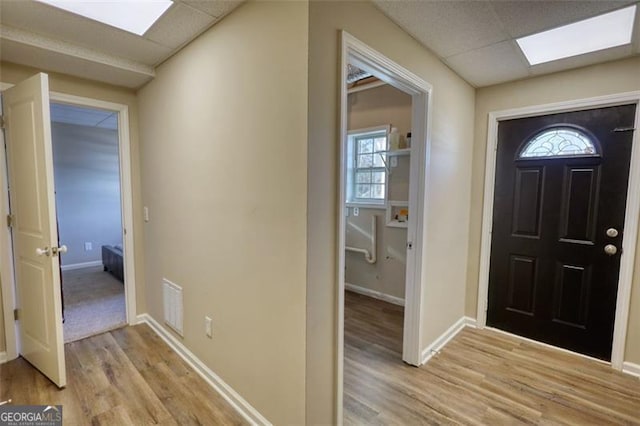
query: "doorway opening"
377, 211
86, 168
27, 177
384, 157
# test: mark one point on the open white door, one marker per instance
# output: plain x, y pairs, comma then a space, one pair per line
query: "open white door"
31, 197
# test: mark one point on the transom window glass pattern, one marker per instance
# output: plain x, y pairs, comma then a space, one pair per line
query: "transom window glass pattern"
559, 142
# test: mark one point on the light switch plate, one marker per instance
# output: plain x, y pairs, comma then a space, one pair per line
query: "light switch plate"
88, 246
208, 327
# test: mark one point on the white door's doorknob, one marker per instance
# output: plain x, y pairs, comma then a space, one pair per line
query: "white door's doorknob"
43, 252
57, 250
610, 249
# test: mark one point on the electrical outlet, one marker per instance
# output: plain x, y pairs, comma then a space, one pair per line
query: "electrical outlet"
88, 246
208, 327
394, 161
356, 211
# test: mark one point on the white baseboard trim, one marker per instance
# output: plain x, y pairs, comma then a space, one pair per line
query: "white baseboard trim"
3, 357
81, 265
445, 337
375, 294
548, 346
238, 402
631, 368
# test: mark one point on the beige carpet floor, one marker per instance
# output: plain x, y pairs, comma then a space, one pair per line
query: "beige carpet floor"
93, 303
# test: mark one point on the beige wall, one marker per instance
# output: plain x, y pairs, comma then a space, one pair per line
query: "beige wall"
445, 255
11, 73
369, 108
380, 106
597, 80
224, 129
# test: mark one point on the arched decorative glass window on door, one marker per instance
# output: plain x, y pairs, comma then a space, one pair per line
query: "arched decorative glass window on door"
560, 142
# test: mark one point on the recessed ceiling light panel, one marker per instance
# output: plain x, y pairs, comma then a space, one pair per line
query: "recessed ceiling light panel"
134, 16
593, 34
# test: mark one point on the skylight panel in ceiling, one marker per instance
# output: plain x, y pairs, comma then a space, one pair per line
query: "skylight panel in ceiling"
590, 35
134, 16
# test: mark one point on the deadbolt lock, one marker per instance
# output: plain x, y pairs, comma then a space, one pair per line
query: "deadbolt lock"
612, 232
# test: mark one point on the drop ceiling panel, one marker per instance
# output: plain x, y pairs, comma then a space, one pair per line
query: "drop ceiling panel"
524, 18
48, 60
178, 25
450, 27
62, 25
490, 65
216, 9
477, 38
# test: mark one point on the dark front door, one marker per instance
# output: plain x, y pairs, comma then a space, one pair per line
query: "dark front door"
559, 207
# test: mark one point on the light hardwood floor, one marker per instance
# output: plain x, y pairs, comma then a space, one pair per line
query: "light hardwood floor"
480, 377
128, 376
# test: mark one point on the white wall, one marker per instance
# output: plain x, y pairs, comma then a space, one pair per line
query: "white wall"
87, 182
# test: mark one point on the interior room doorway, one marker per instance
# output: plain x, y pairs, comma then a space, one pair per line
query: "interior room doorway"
381, 225
89, 217
30, 259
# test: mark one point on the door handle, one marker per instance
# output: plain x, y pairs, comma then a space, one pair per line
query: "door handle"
57, 250
43, 252
610, 249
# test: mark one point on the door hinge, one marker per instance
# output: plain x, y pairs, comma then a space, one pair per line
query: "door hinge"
10, 220
1, 121
15, 315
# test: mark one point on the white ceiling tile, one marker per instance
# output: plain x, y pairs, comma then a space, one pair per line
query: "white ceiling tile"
446, 27
490, 65
215, 8
520, 18
61, 25
178, 26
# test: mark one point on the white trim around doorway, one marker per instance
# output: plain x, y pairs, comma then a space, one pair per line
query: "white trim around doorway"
6, 262
632, 213
357, 53
126, 189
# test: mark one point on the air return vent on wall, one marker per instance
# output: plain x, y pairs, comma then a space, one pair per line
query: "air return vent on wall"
172, 305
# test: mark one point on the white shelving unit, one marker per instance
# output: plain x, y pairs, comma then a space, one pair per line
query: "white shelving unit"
406, 151
390, 215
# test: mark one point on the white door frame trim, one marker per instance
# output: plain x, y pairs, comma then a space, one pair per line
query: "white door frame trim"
7, 278
356, 52
126, 196
632, 212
